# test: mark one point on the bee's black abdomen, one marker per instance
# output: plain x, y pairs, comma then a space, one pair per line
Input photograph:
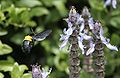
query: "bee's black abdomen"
27, 46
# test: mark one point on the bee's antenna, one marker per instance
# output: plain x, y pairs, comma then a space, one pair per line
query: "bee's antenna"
32, 30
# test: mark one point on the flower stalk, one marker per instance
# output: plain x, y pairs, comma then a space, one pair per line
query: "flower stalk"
71, 36
99, 67
74, 60
99, 58
87, 58
84, 33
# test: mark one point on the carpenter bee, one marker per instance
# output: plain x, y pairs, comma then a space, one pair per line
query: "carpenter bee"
28, 41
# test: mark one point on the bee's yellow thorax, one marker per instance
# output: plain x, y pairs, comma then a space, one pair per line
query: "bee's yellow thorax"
28, 38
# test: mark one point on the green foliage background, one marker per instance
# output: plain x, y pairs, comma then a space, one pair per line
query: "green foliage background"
16, 18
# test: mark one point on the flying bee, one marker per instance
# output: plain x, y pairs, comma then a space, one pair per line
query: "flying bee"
28, 41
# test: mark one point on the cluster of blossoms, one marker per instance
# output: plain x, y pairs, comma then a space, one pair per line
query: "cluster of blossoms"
76, 21
38, 73
110, 2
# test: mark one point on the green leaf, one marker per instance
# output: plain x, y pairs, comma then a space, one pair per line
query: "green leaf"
7, 65
115, 39
115, 12
18, 70
39, 11
5, 49
3, 32
27, 75
53, 16
17, 38
26, 19
48, 2
115, 22
1, 75
2, 17
97, 4
60, 7
22, 68
15, 73
28, 3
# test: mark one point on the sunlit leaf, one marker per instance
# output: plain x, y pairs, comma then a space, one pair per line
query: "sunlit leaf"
22, 68
60, 7
38, 11
115, 39
3, 32
2, 17
115, 22
5, 49
17, 38
1, 75
29, 3
7, 65
53, 16
27, 75
15, 73
97, 4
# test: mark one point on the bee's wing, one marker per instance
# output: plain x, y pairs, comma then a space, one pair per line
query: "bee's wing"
41, 36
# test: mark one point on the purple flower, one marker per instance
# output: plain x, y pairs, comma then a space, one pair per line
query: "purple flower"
106, 41
80, 40
91, 49
82, 26
65, 37
38, 73
74, 18
98, 31
91, 23
109, 2
68, 22
114, 3
86, 37
45, 73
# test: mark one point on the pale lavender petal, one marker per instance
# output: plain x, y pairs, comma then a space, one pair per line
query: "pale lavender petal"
108, 2
82, 27
79, 20
103, 39
64, 37
91, 49
70, 24
69, 31
112, 47
81, 45
64, 43
101, 31
45, 73
91, 23
114, 3
65, 30
106, 42
67, 20
86, 37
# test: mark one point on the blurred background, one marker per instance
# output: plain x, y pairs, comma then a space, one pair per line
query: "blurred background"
16, 18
